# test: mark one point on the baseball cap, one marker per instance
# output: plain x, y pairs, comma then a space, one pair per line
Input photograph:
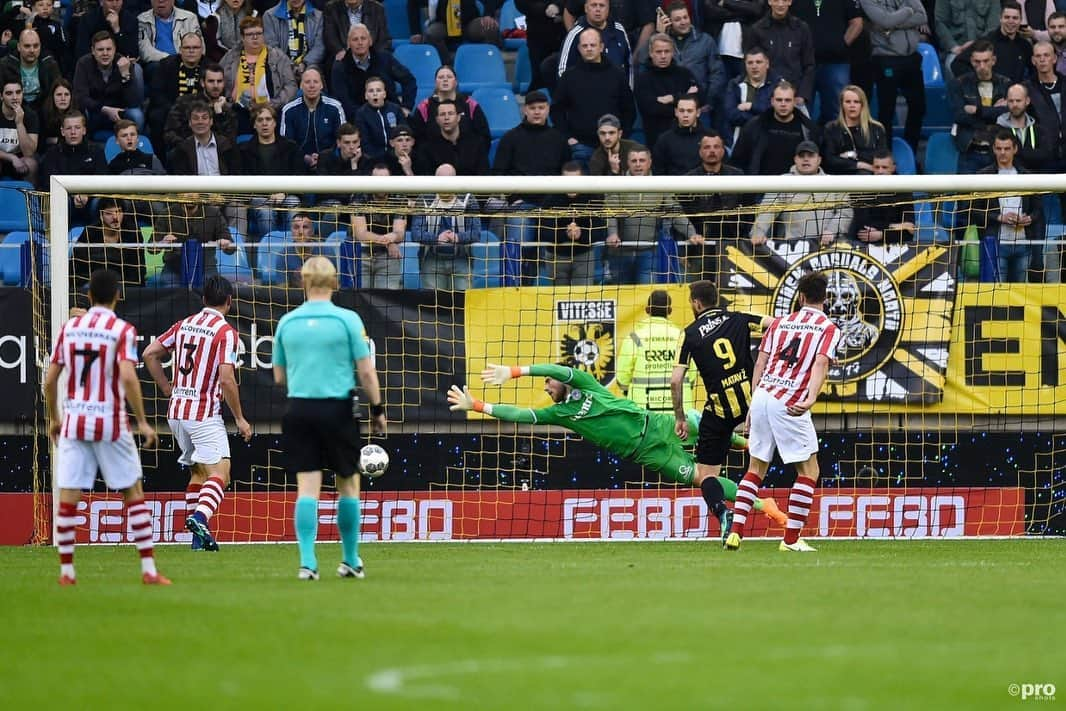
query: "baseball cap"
807, 147
400, 130
609, 120
536, 97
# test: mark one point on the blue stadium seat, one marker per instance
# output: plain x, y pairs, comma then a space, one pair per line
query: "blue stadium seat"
508, 13
523, 70
14, 215
412, 275
493, 147
111, 148
479, 65
931, 70
901, 151
485, 265
235, 266
422, 60
941, 156
500, 107
268, 255
11, 257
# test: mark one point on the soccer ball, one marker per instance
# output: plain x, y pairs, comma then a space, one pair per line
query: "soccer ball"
373, 460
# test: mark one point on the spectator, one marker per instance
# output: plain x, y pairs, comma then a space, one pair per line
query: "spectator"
835, 26
256, 74
423, 119
59, 101
959, 24
204, 152
660, 84
53, 38
37, 74
880, 220
461, 21
114, 17
400, 156
1047, 96
729, 21
897, 64
794, 222
19, 134
587, 91
304, 244
1009, 220
312, 119
359, 63
851, 140
73, 155
712, 214
766, 141
297, 29
977, 100
632, 240
222, 29
748, 94
176, 76
376, 118
1057, 37
338, 19
131, 160
697, 52
1037, 144
611, 156
188, 218
643, 373
160, 31
1036, 17
573, 227
544, 35
1010, 43
212, 93
112, 242
445, 231
465, 153
678, 150
636, 17
790, 46
270, 154
108, 89
381, 231
346, 159
613, 41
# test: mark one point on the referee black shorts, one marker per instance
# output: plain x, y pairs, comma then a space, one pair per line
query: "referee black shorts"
716, 433
320, 434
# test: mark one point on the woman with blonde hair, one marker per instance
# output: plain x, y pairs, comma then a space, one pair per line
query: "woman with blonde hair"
850, 141
315, 346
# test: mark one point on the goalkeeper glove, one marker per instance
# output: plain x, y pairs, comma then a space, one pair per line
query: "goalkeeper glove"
461, 400
499, 374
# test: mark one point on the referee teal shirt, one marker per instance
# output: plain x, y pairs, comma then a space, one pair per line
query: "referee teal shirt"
318, 344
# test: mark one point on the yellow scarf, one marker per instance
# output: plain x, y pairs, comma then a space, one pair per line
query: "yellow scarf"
452, 19
252, 78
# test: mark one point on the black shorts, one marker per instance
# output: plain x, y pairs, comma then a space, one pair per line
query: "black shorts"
716, 433
320, 434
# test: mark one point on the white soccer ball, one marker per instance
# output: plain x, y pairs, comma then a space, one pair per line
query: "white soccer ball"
373, 460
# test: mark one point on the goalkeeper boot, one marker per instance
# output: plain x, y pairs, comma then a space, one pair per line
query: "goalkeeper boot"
307, 574
349, 571
732, 542
771, 509
154, 579
197, 525
800, 546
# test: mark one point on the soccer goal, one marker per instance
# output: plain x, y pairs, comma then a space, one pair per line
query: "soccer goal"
943, 415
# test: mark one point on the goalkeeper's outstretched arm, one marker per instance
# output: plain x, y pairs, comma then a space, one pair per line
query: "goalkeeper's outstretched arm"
500, 374
462, 401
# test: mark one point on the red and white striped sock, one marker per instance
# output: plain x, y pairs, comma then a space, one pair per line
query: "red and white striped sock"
140, 523
211, 497
747, 493
799, 506
192, 496
66, 522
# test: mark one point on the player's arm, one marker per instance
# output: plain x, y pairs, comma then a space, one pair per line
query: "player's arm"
760, 366
153, 361
818, 373
127, 375
500, 374
51, 398
232, 395
368, 380
462, 401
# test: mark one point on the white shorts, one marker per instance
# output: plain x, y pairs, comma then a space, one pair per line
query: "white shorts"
79, 461
773, 428
201, 442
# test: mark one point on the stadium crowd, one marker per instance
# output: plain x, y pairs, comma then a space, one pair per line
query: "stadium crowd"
685, 87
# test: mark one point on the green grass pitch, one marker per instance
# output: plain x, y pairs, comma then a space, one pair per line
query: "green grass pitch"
858, 625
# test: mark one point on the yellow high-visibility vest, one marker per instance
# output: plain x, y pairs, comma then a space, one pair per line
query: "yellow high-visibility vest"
646, 362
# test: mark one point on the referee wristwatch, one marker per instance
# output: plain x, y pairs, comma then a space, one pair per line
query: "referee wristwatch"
376, 410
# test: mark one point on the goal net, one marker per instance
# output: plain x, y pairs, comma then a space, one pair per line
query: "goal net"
942, 415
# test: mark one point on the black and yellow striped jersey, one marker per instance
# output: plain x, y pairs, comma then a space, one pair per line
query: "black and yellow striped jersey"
719, 342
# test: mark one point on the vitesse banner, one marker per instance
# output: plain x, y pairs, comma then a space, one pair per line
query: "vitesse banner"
578, 326
892, 303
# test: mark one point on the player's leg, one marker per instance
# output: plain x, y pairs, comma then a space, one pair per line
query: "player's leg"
211, 453
798, 443
76, 471
342, 453
197, 475
761, 446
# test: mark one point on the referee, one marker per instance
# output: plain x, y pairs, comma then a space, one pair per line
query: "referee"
314, 349
719, 342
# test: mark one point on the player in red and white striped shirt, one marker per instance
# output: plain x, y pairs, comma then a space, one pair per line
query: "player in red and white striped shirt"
794, 358
205, 356
100, 352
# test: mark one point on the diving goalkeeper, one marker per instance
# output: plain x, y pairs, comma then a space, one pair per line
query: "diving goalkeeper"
616, 424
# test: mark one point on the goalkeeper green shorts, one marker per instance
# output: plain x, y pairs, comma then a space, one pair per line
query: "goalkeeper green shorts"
661, 450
